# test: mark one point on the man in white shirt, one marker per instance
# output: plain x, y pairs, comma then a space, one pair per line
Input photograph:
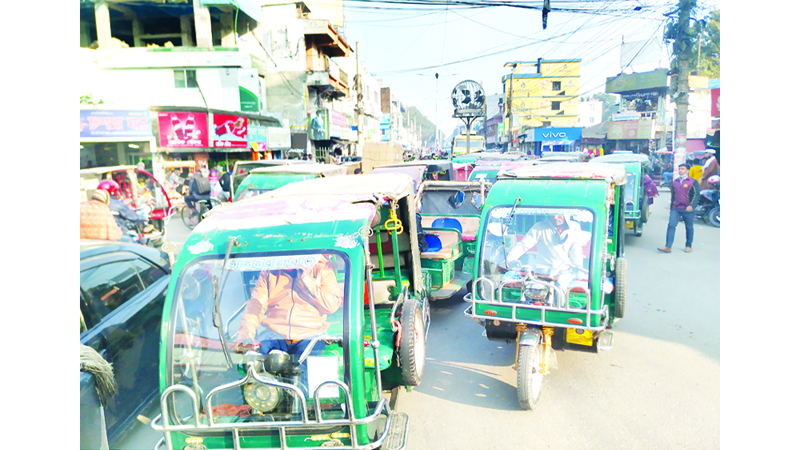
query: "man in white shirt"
557, 241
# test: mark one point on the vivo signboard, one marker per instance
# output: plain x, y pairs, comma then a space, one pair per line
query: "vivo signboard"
557, 134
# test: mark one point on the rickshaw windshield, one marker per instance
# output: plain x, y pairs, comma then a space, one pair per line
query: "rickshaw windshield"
273, 308
149, 188
551, 242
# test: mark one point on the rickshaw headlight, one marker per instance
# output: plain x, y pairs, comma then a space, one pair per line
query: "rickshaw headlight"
535, 291
261, 397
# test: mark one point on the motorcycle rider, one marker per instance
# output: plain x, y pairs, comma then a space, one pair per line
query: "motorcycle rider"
122, 213
199, 190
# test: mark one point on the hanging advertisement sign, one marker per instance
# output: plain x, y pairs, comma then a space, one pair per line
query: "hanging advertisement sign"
338, 123
229, 131
715, 102
249, 90
631, 129
108, 123
257, 138
183, 129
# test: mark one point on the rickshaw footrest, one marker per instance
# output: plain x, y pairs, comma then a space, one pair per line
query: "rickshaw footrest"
396, 440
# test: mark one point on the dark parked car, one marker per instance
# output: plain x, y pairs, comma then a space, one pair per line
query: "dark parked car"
123, 287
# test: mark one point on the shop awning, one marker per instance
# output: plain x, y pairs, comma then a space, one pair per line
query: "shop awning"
245, 6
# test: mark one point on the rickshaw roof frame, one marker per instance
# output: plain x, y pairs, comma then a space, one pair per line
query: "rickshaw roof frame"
576, 170
314, 168
104, 170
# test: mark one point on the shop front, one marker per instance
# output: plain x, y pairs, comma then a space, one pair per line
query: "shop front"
211, 138
115, 138
556, 139
329, 132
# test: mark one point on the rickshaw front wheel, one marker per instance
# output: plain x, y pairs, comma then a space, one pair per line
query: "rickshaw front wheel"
529, 375
412, 343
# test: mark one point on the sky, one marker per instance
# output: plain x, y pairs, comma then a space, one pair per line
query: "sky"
406, 46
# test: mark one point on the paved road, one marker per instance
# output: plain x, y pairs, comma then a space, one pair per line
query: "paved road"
658, 388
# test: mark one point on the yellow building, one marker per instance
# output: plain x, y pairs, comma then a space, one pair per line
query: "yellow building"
542, 93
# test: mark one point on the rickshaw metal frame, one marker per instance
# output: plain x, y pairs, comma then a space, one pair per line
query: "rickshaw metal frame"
471, 310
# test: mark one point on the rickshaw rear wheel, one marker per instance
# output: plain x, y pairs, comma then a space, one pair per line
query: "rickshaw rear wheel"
529, 375
620, 283
412, 343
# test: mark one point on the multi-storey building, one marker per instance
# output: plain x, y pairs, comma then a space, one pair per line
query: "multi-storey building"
182, 69
541, 94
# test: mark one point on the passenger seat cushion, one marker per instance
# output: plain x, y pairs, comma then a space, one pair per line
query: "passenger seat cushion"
450, 240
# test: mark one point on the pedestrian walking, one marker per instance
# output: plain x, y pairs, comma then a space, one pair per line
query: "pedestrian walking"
684, 199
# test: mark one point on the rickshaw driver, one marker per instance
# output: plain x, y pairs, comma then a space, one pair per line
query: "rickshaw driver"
291, 306
557, 243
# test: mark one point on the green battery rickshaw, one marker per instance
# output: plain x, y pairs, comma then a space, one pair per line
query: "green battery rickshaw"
550, 271
283, 327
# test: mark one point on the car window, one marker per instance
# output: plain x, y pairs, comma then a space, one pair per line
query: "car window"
109, 286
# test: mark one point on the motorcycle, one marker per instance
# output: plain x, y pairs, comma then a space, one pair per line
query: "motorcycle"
708, 205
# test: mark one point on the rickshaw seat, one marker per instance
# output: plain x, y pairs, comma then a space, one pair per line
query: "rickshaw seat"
449, 241
447, 222
469, 225
434, 243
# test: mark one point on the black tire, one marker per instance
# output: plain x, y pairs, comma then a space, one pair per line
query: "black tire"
645, 209
712, 218
185, 216
529, 377
412, 343
637, 229
620, 287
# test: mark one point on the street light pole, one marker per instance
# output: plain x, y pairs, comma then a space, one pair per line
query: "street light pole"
436, 135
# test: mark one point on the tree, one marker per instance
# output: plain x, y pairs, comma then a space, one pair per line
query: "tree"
705, 38
610, 103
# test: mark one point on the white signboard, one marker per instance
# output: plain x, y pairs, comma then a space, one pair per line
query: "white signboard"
278, 138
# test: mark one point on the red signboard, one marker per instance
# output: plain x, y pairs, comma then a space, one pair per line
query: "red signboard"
230, 131
183, 129
715, 103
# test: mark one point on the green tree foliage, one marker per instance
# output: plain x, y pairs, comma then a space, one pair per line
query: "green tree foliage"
610, 104
706, 39
703, 37
428, 128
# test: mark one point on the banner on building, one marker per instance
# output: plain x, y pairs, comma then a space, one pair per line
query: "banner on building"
640, 52
249, 90
338, 124
715, 102
229, 131
318, 128
114, 123
183, 129
642, 101
637, 81
257, 138
278, 138
631, 129
557, 134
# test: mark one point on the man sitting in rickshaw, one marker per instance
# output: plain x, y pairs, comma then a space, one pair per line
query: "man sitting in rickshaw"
287, 308
559, 250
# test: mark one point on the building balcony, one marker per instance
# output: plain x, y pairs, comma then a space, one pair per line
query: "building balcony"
324, 35
328, 76
166, 57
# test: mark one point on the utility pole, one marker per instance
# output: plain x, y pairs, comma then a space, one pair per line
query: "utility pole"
682, 49
508, 109
359, 98
436, 133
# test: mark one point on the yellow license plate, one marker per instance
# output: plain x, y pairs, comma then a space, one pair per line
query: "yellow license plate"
580, 337
628, 224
